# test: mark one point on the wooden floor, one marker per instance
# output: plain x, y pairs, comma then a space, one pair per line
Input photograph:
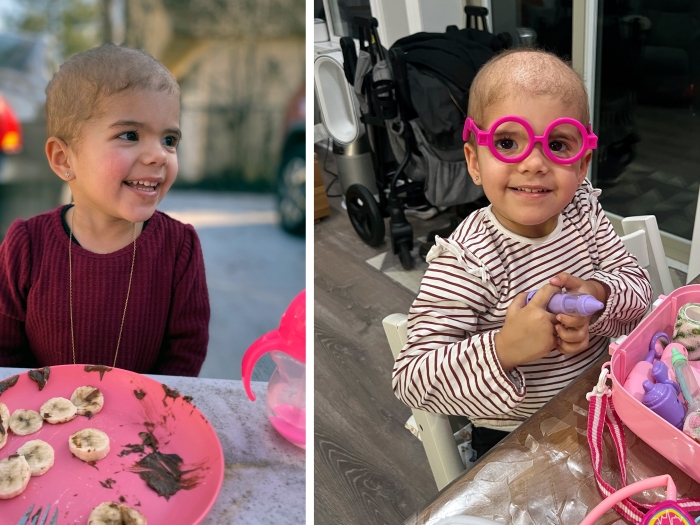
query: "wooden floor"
368, 468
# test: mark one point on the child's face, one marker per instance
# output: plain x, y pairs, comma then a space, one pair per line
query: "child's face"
132, 142
527, 213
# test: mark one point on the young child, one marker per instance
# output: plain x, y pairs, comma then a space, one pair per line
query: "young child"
107, 280
475, 347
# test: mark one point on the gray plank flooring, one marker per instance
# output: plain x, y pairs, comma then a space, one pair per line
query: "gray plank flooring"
368, 468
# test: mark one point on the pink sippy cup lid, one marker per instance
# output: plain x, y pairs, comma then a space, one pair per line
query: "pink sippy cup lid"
289, 338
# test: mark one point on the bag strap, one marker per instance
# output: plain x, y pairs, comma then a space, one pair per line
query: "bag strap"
601, 414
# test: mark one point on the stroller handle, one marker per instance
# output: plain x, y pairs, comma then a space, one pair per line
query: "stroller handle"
365, 23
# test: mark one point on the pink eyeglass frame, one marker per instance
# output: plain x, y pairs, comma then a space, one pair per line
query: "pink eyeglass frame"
485, 138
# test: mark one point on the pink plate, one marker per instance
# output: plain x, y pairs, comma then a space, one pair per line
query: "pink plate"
74, 486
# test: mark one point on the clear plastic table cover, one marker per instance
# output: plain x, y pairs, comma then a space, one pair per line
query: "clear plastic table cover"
542, 473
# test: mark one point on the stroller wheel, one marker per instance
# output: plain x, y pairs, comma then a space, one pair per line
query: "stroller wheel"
364, 214
405, 256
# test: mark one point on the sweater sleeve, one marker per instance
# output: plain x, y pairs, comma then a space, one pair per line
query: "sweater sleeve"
630, 288
15, 274
446, 366
184, 346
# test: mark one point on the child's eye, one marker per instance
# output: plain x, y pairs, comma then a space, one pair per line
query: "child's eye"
171, 141
506, 144
129, 135
558, 147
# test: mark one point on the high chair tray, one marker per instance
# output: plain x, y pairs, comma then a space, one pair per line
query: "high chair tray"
669, 441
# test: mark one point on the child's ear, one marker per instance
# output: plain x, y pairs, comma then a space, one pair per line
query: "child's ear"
472, 163
583, 168
57, 154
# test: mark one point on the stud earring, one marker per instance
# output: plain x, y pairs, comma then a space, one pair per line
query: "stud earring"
67, 175
475, 178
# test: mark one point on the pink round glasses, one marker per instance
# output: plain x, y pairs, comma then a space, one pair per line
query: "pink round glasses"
511, 139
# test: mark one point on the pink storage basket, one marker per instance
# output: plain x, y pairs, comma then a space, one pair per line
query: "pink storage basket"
670, 442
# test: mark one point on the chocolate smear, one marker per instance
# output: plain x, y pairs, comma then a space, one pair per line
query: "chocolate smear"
40, 376
108, 483
162, 473
88, 414
187, 399
92, 395
122, 499
7, 383
140, 394
149, 440
98, 368
169, 392
131, 449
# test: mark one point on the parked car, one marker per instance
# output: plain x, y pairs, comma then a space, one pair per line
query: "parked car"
10, 132
27, 63
291, 176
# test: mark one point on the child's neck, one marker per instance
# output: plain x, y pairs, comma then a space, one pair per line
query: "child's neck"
537, 231
99, 233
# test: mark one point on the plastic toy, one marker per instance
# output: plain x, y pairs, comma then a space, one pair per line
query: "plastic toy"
686, 379
662, 398
665, 513
571, 303
642, 370
286, 391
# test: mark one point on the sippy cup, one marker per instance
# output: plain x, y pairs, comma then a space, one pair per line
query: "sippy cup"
286, 391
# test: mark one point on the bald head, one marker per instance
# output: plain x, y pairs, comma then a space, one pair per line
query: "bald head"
85, 80
526, 71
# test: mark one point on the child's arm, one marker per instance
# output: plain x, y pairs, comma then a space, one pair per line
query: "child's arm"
184, 345
15, 270
446, 365
626, 283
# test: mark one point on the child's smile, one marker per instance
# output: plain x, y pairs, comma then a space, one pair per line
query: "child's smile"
146, 187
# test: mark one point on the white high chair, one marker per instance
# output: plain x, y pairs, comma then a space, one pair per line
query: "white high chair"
642, 239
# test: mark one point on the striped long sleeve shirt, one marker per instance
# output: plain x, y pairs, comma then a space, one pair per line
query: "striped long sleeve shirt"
449, 363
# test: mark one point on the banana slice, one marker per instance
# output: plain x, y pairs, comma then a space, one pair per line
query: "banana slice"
88, 400
58, 410
24, 422
111, 513
89, 444
39, 454
14, 476
4, 424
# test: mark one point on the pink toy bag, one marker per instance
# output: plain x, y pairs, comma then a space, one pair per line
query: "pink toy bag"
610, 407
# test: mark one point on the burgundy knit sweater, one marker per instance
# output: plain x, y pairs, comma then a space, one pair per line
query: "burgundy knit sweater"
166, 328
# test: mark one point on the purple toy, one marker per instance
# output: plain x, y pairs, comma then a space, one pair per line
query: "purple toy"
662, 399
571, 303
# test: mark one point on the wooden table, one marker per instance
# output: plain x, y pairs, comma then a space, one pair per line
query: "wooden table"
542, 472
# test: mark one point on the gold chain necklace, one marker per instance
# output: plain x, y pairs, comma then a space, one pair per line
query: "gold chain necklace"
70, 283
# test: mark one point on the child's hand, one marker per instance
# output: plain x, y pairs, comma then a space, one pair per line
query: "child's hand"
528, 333
573, 330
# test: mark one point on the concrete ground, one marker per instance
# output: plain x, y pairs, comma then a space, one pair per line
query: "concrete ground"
254, 270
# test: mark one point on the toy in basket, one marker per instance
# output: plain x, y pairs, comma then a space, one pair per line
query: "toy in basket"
669, 441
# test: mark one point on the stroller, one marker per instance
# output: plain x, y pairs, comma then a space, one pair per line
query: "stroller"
413, 102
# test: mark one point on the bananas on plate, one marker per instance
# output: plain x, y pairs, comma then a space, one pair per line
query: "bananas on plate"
89, 444
111, 513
